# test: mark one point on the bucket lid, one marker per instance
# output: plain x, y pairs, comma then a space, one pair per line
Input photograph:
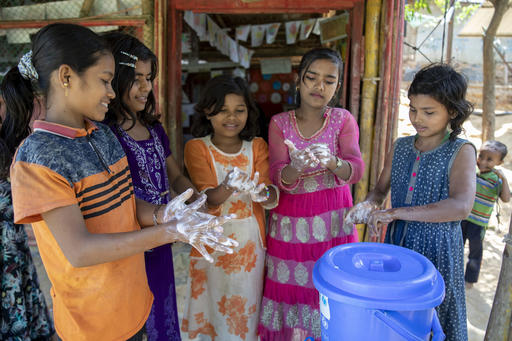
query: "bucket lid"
379, 276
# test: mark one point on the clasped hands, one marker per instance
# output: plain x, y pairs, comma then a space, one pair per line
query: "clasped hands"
187, 224
368, 212
240, 182
310, 157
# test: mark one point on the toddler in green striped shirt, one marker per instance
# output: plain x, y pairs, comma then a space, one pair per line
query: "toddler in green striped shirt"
491, 183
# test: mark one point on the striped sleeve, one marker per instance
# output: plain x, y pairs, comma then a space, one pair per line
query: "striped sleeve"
37, 189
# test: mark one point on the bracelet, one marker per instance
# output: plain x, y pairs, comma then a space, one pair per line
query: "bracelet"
267, 193
227, 187
284, 182
155, 212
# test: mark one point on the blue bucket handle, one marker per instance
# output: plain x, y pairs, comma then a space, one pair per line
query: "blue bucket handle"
403, 331
437, 330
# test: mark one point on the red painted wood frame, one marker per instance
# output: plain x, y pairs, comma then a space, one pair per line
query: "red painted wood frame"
172, 119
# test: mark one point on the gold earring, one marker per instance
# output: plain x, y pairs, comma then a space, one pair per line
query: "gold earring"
66, 88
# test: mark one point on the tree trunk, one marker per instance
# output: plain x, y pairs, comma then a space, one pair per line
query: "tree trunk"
449, 39
489, 70
498, 327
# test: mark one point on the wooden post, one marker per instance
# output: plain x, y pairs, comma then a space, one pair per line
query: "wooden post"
356, 58
498, 327
381, 114
371, 69
172, 121
86, 8
160, 50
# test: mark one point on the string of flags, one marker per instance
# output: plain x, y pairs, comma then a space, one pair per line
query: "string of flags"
207, 30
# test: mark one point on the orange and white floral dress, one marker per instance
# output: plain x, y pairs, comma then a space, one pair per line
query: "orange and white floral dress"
225, 296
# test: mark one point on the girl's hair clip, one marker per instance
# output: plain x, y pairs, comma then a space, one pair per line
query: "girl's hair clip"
130, 55
127, 64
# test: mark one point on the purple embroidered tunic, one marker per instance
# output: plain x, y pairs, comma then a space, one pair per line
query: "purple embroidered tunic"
146, 159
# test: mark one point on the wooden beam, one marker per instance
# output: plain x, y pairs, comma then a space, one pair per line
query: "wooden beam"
356, 58
138, 20
172, 121
86, 8
264, 6
272, 52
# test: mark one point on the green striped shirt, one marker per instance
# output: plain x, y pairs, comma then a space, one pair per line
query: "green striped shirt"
488, 188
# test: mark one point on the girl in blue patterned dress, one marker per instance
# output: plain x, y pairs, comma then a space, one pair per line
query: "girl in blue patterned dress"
432, 181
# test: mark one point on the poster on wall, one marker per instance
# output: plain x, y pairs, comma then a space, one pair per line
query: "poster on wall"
275, 65
334, 28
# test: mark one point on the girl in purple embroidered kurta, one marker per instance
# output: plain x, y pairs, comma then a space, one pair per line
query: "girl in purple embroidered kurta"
314, 156
154, 170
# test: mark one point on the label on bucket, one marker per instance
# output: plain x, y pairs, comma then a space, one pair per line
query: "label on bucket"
324, 307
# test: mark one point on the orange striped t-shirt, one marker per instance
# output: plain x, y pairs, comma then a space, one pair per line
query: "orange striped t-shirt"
58, 166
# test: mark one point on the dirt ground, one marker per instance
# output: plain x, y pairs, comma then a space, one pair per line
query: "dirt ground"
479, 298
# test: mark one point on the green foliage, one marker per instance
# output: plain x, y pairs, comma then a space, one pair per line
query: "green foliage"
463, 12
415, 7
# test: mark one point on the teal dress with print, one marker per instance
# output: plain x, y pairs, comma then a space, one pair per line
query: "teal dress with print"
421, 178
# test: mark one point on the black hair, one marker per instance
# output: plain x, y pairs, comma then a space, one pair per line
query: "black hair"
495, 146
446, 86
5, 160
309, 58
213, 96
125, 77
52, 46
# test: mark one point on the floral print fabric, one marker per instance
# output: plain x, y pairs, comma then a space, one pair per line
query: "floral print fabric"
224, 297
24, 315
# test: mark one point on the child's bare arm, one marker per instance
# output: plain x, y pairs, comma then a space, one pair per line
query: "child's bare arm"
456, 207
83, 248
360, 212
379, 193
505, 189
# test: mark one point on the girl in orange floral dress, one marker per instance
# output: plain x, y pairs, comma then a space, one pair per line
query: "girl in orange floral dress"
227, 163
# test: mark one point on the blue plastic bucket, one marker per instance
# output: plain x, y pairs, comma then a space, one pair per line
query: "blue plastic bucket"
371, 291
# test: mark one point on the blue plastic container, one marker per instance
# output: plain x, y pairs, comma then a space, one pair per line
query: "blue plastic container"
371, 291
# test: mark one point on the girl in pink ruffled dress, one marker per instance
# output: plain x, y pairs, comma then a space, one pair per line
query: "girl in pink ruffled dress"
314, 156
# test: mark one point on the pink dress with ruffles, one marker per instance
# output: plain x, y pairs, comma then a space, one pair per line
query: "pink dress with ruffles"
307, 222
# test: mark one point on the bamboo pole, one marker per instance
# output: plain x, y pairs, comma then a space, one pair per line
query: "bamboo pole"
160, 84
397, 73
356, 63
381, 114
371, 69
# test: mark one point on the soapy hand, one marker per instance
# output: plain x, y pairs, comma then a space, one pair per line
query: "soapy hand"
322, 152
359, 214
199, 229
378, 218
178, 207
238, 180
301, 159
196, 228
257, 191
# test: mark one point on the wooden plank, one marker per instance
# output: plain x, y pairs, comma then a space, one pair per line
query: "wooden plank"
172, 121
159, 84
264, 6
138, 20
86, 8
356, 63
